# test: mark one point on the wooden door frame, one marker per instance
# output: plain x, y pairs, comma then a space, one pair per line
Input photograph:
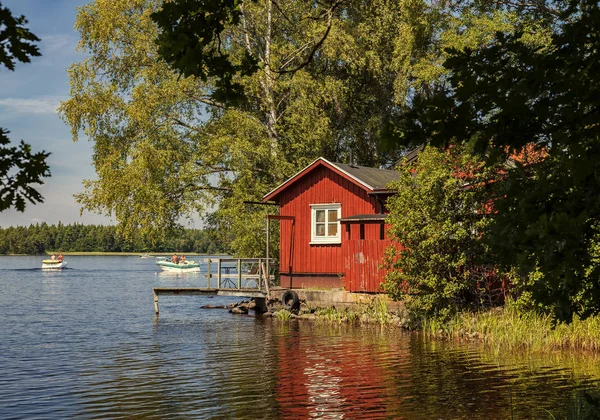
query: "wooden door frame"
279, 217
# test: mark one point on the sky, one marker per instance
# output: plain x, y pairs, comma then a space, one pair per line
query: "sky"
29, 97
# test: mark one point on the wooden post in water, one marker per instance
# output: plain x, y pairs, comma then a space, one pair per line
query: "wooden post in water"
260, 274
208, 273
155, 300
261, 305
218, 273
265, 269
267, 259
268, 239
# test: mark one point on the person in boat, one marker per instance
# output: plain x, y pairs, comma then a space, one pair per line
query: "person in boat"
182, 259
60, 257
175, 259
53, 257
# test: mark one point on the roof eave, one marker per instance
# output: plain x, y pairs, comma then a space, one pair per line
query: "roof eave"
382, 191
273, 193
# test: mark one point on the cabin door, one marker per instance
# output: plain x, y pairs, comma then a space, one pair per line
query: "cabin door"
286, 252
364, 251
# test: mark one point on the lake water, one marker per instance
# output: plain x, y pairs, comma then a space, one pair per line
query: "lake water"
84, 342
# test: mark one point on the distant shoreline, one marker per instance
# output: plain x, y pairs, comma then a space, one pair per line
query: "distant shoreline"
125, 254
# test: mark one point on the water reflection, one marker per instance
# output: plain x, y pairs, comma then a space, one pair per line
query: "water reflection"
86, 343
194, 276
334, 378
393, 375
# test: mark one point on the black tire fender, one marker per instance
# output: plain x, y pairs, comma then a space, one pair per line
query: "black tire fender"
290, 300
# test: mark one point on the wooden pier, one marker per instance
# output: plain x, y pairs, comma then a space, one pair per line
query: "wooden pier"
250, 279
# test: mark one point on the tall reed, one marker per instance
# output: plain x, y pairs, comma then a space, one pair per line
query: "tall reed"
283, 315
511, 329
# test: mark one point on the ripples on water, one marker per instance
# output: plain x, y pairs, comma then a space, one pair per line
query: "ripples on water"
85, 343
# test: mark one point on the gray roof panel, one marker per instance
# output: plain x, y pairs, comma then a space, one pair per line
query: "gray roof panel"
375, 178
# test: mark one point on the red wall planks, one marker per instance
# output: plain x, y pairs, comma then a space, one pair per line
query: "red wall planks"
319, 186
363, 264
356, 261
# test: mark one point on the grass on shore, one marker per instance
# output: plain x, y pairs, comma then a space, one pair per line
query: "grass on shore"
500, 329
513, 330
376, 311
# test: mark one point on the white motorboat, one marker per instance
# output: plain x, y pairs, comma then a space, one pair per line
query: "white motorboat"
186, 266
53, 264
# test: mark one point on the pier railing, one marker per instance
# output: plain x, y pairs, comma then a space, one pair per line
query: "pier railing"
239, 273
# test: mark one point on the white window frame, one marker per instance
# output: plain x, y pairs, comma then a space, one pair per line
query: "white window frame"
319, 240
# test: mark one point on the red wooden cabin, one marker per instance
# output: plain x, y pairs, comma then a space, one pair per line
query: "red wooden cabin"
333, 231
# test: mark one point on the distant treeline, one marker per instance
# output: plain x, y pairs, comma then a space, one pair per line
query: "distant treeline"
39, 238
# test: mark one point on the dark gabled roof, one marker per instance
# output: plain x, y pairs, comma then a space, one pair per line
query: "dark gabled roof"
377, 179
373, 180
411, 156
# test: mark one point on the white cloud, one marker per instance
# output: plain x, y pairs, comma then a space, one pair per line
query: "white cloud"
58, 43
32, 105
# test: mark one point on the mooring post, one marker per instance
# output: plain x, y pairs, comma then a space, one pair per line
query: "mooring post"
155, 300
261, 305
265, 269
208, 273
219, 273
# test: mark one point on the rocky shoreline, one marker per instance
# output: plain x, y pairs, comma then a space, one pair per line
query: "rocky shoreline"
360, 314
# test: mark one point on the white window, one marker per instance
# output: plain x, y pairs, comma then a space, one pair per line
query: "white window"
325, 225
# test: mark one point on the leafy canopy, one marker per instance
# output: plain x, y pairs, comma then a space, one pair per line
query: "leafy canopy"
191, 41
513, 95
328, 76
171, 139
437, 215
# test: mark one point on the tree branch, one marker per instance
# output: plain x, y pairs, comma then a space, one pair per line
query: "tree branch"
329, 14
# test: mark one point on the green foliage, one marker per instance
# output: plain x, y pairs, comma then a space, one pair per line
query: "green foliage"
376, 311
190, 40
283, 315
437, 215
165, 147
19, 167
19, 170
515, 92
155, 96
16, 41
41, 238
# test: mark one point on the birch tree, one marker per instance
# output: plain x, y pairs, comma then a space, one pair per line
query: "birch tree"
167, 146
205, 122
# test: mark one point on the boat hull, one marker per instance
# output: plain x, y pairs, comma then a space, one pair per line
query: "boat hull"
53, 265
178, 268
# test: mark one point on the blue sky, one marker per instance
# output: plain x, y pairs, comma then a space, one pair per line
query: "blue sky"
29, 97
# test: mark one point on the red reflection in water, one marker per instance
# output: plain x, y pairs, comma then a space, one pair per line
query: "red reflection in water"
312, 382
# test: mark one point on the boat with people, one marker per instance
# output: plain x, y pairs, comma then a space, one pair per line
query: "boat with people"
53, 264
177, 264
